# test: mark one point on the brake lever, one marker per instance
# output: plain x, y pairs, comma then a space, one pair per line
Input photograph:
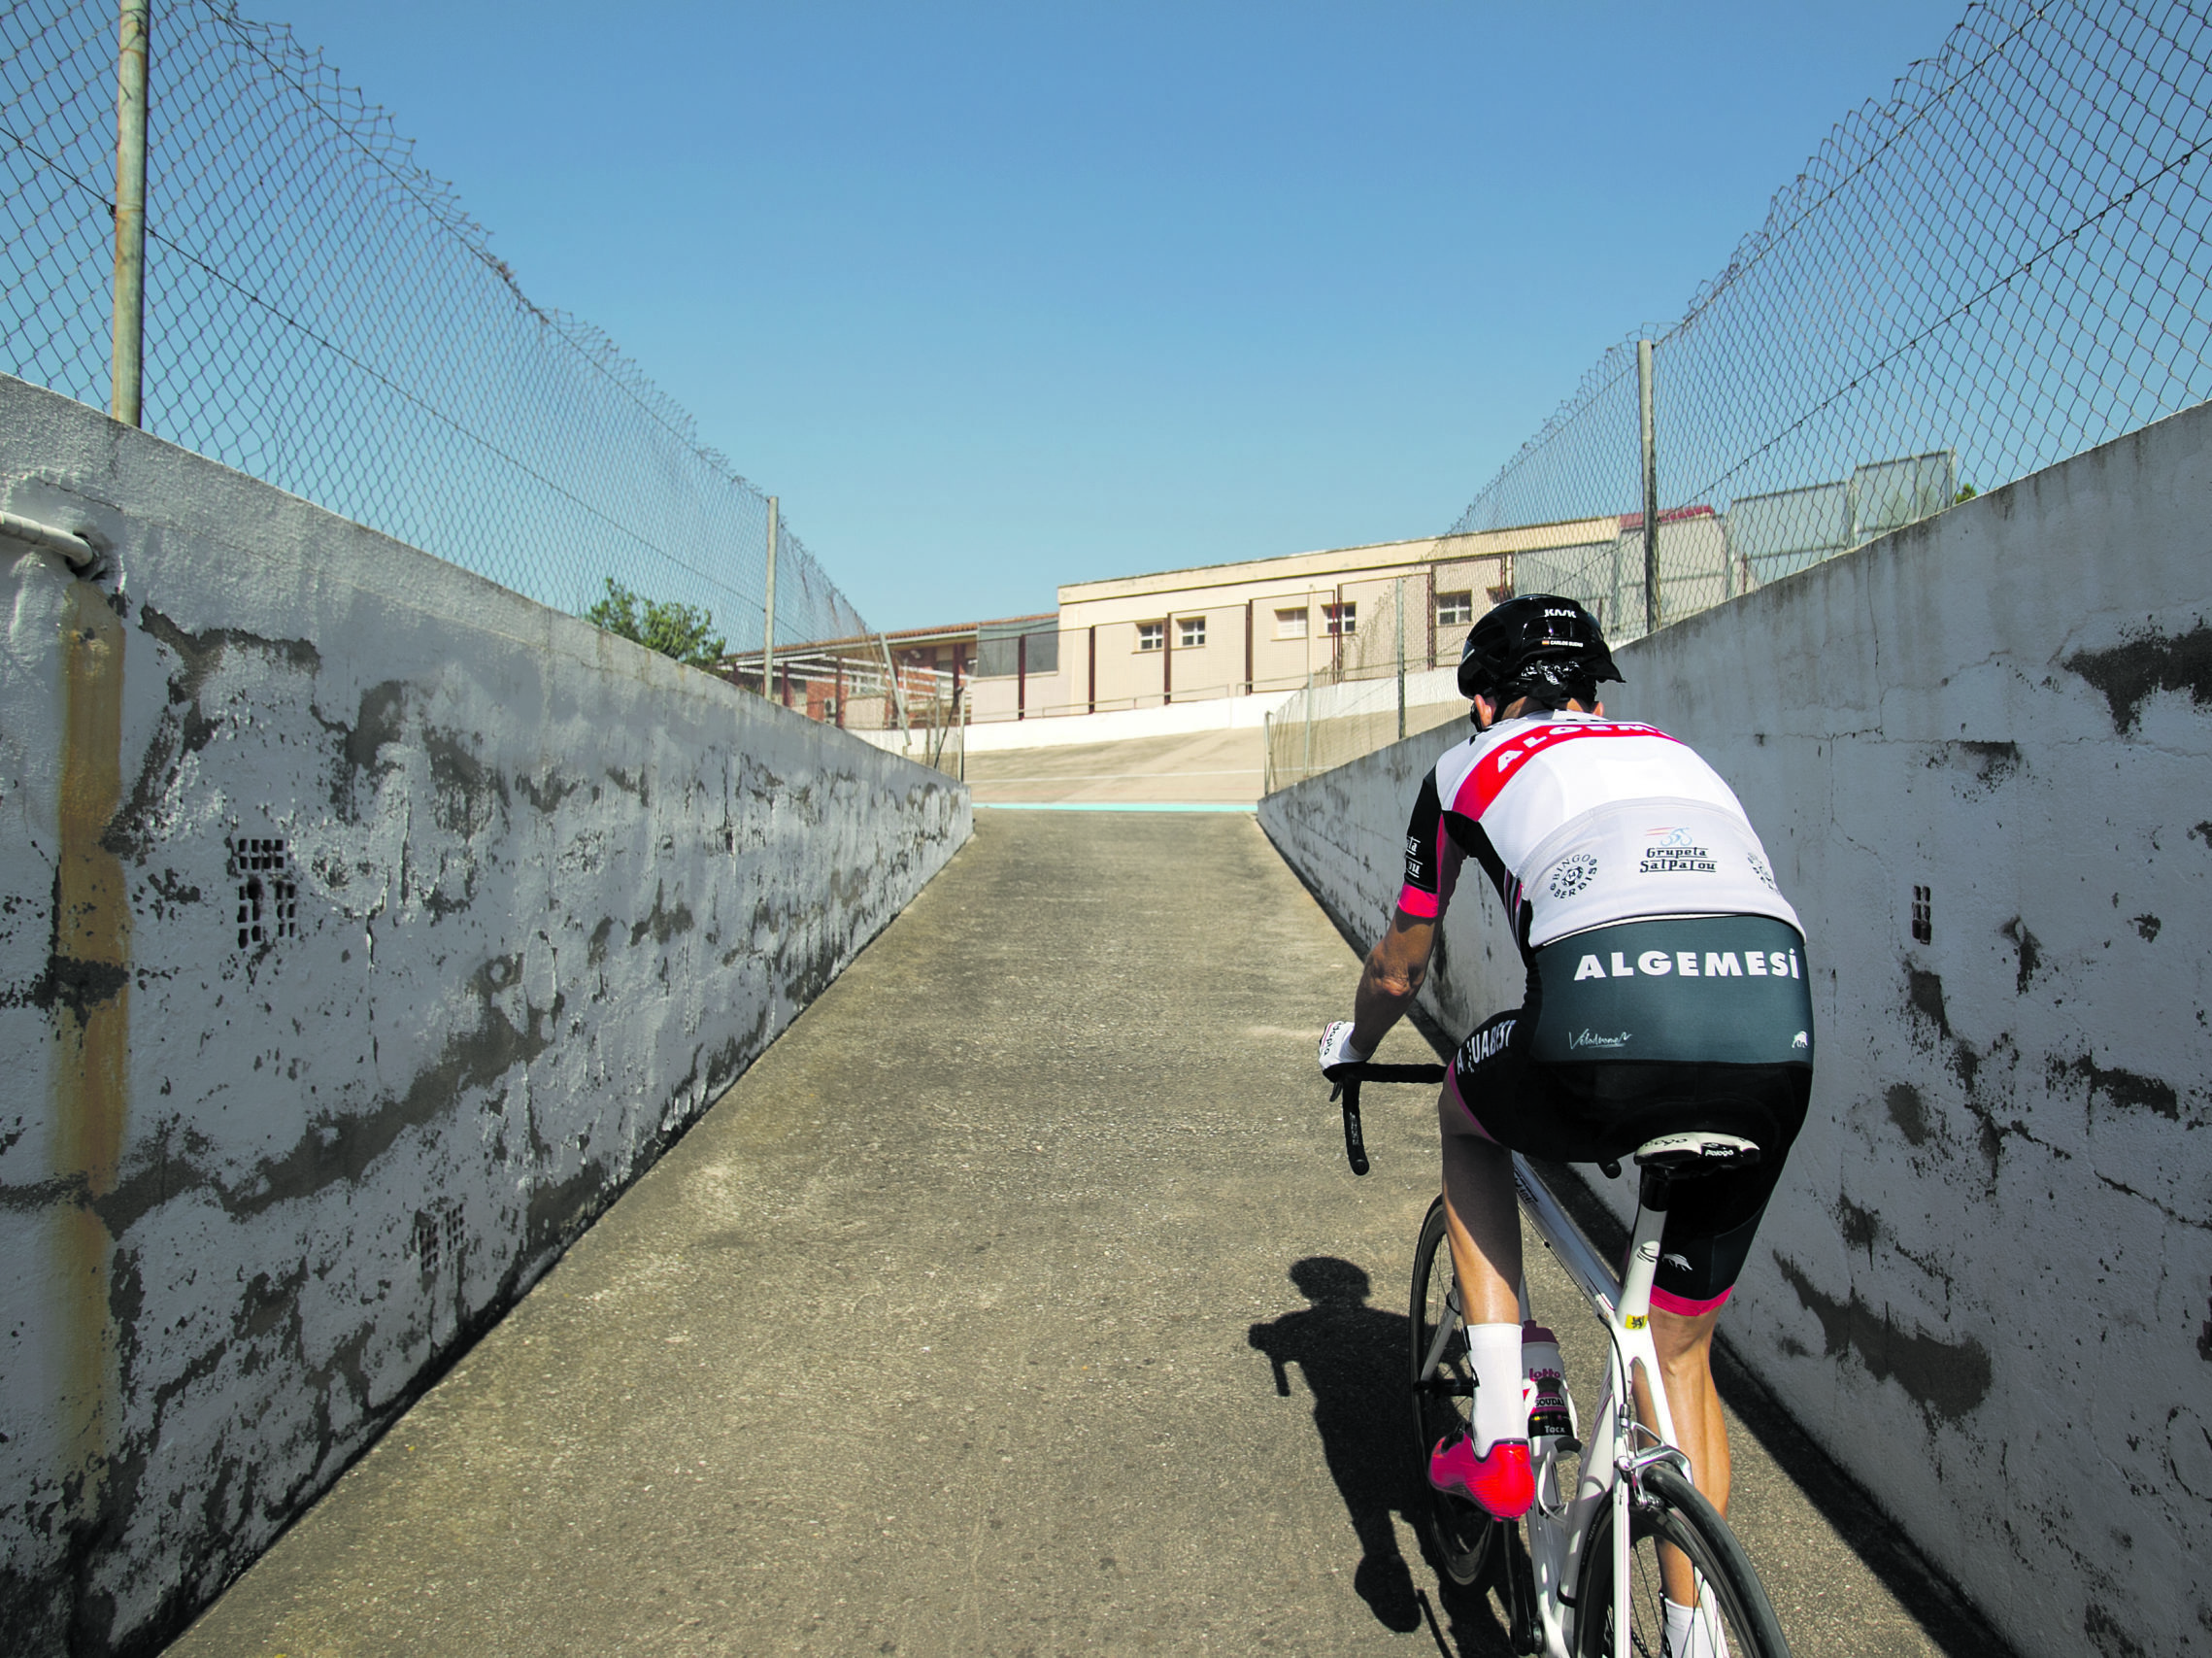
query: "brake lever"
1354, 1146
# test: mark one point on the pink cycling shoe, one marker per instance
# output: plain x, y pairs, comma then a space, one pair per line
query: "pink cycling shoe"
1502, 1484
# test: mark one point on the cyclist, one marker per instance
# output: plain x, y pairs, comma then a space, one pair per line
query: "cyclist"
1666, 990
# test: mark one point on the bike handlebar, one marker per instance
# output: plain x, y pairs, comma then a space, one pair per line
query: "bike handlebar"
1348, 1079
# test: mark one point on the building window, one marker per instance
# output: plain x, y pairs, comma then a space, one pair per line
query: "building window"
1190, 632
1454, 609
1291, 624
1340, 619
1152, 635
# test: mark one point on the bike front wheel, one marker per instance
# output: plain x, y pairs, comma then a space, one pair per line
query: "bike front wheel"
1443, 1399
1731, 1601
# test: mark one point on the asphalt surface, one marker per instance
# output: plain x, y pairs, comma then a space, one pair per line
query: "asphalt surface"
1016, 1301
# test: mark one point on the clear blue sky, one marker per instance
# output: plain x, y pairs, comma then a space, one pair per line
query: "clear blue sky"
1001, 296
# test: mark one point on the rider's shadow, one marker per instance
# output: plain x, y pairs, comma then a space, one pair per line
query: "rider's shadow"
1354, 1360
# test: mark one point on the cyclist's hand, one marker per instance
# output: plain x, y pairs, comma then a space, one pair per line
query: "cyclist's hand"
1336, 1049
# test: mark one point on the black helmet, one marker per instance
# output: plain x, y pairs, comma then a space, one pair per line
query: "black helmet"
1538, 646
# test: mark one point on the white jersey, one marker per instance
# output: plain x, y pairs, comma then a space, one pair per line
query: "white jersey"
1581, 821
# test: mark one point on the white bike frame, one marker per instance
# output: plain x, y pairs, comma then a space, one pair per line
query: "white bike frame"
1619, 1447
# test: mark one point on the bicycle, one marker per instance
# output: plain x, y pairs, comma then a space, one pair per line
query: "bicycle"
1631, 1488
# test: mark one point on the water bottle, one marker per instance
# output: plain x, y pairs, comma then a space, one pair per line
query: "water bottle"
1544, 1385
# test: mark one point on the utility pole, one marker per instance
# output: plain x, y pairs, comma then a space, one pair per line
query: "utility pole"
768, 606
129, 359
1651, 487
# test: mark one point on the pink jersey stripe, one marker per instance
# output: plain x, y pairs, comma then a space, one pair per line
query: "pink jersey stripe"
1416, 903
1481, 786
1682, 1306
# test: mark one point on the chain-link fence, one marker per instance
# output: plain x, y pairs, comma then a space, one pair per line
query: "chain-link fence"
1324, 725
2000, 267
322, 314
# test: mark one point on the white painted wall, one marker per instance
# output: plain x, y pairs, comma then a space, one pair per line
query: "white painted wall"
1121, 724
1986, 1285
553, 893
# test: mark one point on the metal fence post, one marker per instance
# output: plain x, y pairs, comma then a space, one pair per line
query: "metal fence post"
1401, 658
128, 363
1307, 770
898, 691
1651, 487
768, 603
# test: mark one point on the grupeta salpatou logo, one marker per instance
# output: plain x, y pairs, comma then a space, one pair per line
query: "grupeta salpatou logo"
1674, 855
1685, 965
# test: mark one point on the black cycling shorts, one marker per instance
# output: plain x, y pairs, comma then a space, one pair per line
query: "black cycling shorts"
1649, 1028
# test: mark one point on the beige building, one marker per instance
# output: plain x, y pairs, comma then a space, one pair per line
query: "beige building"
1264, 625
1279, 623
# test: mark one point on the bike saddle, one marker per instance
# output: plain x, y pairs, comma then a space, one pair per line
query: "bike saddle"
1697, 1153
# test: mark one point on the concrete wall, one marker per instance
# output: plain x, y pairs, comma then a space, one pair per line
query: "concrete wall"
1984, 1283
542, 895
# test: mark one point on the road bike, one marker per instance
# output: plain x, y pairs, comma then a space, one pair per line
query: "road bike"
1587, 1582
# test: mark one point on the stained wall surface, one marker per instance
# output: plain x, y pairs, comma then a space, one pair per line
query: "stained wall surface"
1986, 1284
364, 929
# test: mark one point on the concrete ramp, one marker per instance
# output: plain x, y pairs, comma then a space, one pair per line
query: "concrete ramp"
1015, 1301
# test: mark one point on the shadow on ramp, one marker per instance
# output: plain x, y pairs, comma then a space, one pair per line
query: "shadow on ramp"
1353, 1358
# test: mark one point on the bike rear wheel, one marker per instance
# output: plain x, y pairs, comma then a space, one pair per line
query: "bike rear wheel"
1729, 1590
1463, 1536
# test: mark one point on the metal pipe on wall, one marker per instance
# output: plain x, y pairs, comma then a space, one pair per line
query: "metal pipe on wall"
768, 604
129, 364
1651, 486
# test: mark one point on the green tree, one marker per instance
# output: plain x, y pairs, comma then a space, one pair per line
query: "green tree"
679, 631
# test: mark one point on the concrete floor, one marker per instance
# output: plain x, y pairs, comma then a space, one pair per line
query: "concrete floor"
965, 1322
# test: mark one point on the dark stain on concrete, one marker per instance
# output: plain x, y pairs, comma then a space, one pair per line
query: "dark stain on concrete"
2031, 953
2107, 1635
1858, 1227
661, 923
184, 727
596, 951
337, 1148
1991, 764
463, 789
1945, 1379
2131, 672
1908, 1112
2148, 926
550, 793
560, 1210
81, 987
2126, 1090
1923, 995
2202, 831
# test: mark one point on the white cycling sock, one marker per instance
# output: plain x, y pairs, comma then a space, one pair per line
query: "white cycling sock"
1693, 1632
1493, 1350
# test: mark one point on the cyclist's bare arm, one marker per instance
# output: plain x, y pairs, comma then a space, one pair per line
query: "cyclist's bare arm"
1391, 977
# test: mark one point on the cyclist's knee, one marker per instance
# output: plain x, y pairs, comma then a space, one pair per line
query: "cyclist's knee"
1684, 1339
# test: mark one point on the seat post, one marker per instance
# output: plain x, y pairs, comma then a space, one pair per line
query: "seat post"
1655, 1189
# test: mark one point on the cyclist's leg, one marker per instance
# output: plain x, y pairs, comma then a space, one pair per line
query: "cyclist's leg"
1482, 1224
1483, 1216
1685, 1344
